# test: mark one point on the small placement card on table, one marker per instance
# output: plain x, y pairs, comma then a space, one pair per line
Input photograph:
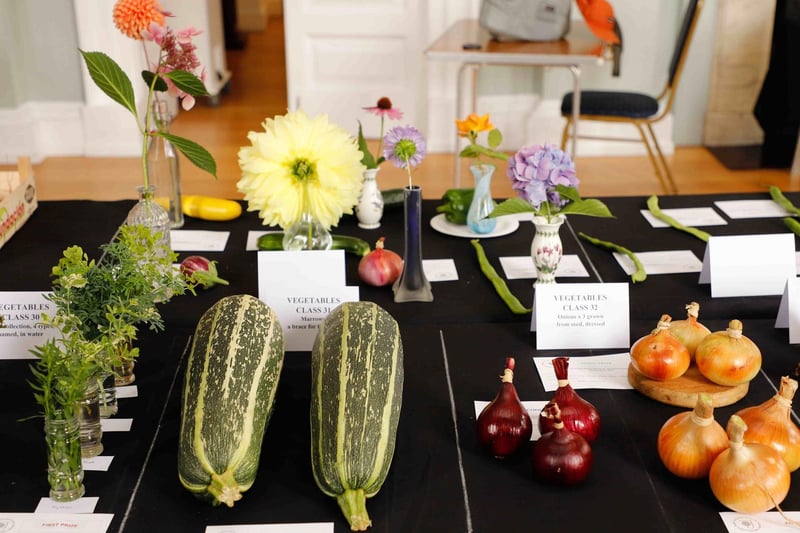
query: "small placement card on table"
49, 522
521, 267
22, 331
303, 287
79, 506
581, 315
666, 262
789, 310
751, 209
690, 216
769, 522
591, 372
749, 265
310, 527
198, 240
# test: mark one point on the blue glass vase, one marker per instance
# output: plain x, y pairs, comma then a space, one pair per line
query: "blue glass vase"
482, 202
412, 285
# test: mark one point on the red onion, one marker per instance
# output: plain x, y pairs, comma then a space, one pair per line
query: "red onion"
561, 456
380, 266
504, 425
578, 415
202, 271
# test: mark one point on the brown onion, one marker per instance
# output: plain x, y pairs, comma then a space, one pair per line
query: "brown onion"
689, 331
771, 423
728, 357
689, 442
504, 424
380, 266
577, 414
660, 355
748, 477
561, 456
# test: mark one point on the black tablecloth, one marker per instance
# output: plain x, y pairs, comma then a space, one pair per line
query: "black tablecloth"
454, 350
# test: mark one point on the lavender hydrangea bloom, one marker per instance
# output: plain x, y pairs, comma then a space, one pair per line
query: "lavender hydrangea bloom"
404, 145
536, 170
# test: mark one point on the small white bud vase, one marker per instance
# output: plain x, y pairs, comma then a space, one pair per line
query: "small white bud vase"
546, 248
369, 209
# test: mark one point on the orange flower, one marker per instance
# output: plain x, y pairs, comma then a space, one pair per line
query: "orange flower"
133, 16
473, 124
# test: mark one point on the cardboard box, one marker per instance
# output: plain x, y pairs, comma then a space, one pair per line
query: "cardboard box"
17, 199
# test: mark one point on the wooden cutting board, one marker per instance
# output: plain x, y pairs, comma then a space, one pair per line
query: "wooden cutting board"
683, 391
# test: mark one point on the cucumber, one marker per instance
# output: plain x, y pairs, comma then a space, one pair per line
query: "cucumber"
356, 396
273, 241
392, 197
229, 389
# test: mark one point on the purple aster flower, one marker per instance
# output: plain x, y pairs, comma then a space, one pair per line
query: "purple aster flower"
404, 146
536, 170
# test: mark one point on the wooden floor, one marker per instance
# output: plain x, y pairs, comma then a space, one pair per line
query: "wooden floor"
258, 91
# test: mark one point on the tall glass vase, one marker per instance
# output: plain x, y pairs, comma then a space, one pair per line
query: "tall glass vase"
91, 431
482, 202
64, 466
412, 285
162, 166
369, 208
546, 248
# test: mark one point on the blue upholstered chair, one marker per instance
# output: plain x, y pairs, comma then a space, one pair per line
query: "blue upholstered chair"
640, 110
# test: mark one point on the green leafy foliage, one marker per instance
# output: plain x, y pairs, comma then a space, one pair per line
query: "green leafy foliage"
575, 206
367, 159
111, 79
195, 153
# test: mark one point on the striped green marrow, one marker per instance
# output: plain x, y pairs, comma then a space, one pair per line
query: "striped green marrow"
231, 377
356, 394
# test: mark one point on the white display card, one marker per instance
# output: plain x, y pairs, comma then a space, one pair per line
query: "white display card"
588, 372
439, 270
534, 409
769, 522
522, 267
302, 288
749, 265
116, 424
22, 331
789, 310
581, 315
55, 522
751, 209
689, 216
79, 506
664, 262
311, 527
184, 240
98, 463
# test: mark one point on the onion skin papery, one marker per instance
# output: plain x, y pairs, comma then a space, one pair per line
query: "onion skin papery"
689, 331
504, 424
660, 355
728, 357
771, 423
380, 267
561, 457
748, 477
577, 414
689, 442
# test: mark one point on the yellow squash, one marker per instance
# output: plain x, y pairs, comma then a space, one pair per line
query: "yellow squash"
210, 208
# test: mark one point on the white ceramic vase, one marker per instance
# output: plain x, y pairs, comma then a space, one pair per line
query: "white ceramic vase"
546, 248
369, 209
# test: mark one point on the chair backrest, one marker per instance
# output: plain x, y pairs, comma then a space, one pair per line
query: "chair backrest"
684, 38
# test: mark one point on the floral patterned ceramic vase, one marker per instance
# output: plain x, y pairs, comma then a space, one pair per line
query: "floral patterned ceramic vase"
546, 248
369, 208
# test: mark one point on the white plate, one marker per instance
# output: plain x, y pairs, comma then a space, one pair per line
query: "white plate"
505, 225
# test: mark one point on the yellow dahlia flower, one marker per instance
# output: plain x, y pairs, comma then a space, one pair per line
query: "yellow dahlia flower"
300, 164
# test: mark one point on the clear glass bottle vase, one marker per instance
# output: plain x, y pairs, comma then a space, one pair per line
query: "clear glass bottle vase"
147, 212
412, 285
64, 466
482, 202
163, 168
